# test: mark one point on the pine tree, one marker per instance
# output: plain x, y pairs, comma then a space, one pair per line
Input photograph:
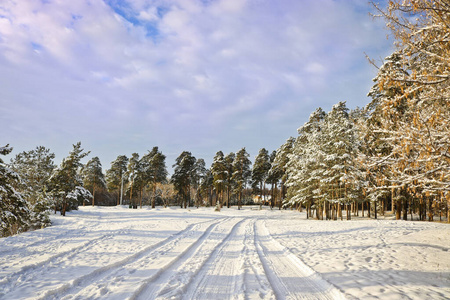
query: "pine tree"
306, 167
206, 187
420, 138
273, 177
260, 171
241, 173
93, 177
35, 168
134, 174
66, 184
341, 177
154, 168
14, 212
219, 172
228, 161
198, 173
115, 176
182, 177
280, 164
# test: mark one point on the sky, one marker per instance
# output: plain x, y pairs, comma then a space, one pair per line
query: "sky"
186, 75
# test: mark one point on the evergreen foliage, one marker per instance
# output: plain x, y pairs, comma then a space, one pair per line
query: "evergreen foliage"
14, 212
241, 173
229, 183
260, 172
115, 176
411, 102
93, 177
134, 174
154, 171
182, 177
66, 181
35, 168
198, 174
219, 172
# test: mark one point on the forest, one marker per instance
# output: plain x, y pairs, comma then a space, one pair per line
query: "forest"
391, 155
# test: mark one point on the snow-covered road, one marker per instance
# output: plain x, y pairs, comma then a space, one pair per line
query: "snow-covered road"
117, 253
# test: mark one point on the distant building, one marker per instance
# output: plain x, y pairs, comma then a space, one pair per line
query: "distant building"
264, 200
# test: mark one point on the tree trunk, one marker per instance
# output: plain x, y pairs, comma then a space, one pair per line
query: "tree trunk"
430, 209
405, 209
228, 196
375, 212
240, 199
210, 196
448, 208
398, 209
362, 208
131, 194
272, 198
93, 195
392, 199
154, 195
63, 208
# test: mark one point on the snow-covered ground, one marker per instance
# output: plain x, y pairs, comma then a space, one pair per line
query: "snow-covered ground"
120, 253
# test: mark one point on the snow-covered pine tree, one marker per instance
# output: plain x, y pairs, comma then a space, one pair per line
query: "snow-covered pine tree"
421, 29
305, 166
134, 175
340, 180
35, 168
66, 181
14, 212
93, 177
279, 166
377, 156
153, 166
206, 187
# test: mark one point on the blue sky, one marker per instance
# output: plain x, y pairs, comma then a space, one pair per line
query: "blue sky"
197, 75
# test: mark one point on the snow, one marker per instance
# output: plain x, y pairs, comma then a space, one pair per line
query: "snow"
172, 253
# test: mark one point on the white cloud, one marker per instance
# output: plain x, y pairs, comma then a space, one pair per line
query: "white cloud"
182, 70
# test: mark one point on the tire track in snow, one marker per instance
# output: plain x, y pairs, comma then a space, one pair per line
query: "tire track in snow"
256, 284
44, 240
26, 256
179, 272
205, 285
102, 276
183, 276
289, 277
29, 272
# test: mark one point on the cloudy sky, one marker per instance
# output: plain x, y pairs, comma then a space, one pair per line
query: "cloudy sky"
195, 75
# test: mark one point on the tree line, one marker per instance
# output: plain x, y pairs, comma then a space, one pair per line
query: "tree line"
32, 185
393, 154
